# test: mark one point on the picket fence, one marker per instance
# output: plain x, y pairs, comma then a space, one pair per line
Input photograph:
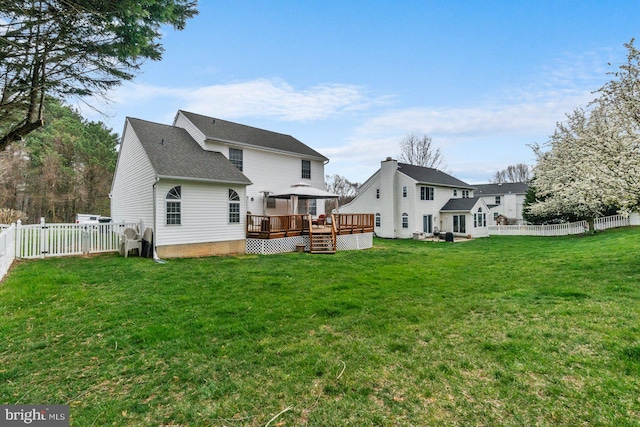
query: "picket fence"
43, 240
612, 221
540, 230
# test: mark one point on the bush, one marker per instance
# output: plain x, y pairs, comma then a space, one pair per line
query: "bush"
9, 216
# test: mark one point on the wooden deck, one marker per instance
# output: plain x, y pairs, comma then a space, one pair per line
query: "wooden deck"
277, 226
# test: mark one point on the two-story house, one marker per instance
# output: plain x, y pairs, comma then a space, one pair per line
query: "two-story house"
193, 182
407, 199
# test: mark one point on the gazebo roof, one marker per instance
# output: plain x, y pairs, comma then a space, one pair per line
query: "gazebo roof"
302, 190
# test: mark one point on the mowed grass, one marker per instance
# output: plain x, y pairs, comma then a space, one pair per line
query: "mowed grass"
503, 331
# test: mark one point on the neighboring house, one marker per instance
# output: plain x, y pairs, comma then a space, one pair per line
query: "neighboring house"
272, 161
504, 200
194, 182
408, 199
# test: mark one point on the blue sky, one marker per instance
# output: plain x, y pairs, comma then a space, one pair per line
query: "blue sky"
351, 78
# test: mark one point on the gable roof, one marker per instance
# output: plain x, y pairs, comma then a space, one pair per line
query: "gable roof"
460, 205
503, 188
431, 176
224, 131
175, 154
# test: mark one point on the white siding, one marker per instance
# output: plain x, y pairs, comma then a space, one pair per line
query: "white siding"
204, 214
132, 189
182, 122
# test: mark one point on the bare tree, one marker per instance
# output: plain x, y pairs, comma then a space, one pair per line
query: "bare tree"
420, 151
341, 186
513, 173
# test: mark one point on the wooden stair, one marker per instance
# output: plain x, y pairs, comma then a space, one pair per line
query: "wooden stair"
322, 240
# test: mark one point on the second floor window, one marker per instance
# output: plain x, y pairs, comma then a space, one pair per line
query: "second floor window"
498, 200
465, 194
235, 156
404, 191
426, 193
306, 169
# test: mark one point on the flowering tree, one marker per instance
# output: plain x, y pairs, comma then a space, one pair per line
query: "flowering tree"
592, 161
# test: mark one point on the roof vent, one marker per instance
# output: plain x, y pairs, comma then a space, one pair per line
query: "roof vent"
162, 142
213, 121
389, 159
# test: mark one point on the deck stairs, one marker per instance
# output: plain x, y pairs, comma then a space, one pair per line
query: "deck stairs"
322, 241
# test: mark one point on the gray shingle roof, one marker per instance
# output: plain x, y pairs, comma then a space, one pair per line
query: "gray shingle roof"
175, 154
460, 205
431, 176
498, 189
225, 131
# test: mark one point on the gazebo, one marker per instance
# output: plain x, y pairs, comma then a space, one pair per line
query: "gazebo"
303, 191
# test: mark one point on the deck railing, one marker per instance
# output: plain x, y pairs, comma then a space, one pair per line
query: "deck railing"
354, 223
271, 226
274, 226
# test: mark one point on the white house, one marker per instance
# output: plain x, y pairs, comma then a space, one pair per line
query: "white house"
408, 199
193, 182
272, 161
504, 199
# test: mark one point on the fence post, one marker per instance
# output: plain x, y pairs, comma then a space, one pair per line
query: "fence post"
18, 238
44, 239
85, 240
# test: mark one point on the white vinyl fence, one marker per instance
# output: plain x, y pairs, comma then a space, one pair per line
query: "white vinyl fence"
41, 240
540, 230
612, 221
7, 248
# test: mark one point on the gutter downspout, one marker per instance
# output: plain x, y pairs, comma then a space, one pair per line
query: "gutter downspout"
155, 229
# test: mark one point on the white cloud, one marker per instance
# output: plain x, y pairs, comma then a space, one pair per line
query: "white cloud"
256, 98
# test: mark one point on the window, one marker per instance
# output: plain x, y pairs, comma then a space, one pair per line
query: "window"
306, 169
459, 225
404, 191
174, 208
426, 193
235, 157
465, 194
405, 220
455, 193
271, 203
498, 200
234, 206
479, 219
377, 193
302, 206
377, 220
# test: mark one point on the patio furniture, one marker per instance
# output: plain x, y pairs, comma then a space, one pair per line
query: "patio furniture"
320, 220
129, 240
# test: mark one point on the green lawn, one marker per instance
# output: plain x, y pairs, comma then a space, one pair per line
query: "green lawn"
503, 331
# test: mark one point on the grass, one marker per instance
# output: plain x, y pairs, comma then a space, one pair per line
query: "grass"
507, 331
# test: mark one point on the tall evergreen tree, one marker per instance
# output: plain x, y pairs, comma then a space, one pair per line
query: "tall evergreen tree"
74, 48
